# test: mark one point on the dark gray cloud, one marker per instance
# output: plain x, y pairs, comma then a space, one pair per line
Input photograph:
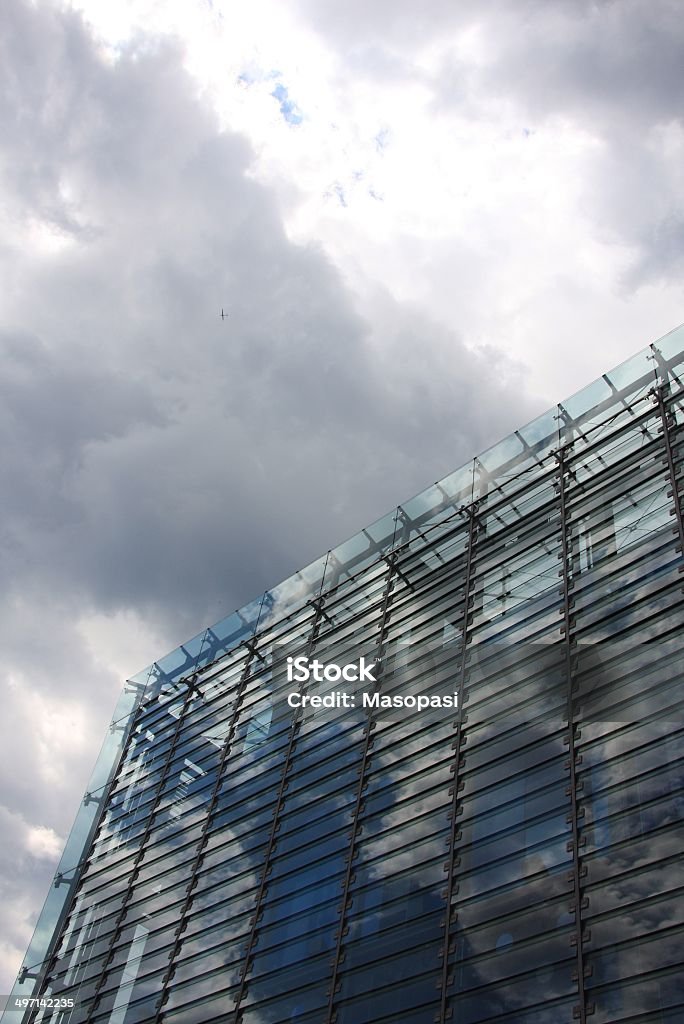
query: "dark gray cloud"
613, 66
148, 421
157, 459
399, 25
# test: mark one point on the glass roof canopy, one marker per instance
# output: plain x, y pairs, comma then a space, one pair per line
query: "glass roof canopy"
511, 460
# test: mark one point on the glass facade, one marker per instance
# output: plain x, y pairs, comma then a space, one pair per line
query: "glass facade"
244, 856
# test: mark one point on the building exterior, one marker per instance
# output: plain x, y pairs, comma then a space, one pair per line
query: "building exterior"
511, 853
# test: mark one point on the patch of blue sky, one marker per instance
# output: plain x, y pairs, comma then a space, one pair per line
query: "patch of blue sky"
288, 108
337, 192
381, 139
252, 75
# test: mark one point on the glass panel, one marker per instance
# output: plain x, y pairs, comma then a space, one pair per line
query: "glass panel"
293, 593
227, 634
361, 550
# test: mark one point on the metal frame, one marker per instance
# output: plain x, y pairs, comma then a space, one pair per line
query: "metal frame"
275, 826
191, 691
579, 439
338, 957
450, 916
204, 834
582, 1009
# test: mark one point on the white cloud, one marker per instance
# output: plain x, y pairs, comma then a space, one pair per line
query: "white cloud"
514, 181
44, 843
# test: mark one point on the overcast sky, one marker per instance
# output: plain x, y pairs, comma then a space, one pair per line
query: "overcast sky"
427, 223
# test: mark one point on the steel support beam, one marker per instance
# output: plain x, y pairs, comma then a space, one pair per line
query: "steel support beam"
453, 862
668, 428
52, 958
581, 1010
363, 782
275, 825
206, 829
119, 921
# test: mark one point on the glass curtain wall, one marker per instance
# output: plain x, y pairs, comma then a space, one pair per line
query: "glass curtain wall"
516, 859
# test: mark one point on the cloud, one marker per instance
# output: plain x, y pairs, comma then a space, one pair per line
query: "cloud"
608, 72
164, 466
612, 70
44, 842
150, 419
28, 858
613, 66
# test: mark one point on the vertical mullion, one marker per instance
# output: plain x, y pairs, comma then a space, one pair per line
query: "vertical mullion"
52, 957
581, 1010
190, 692
454, 862
275, 825
204, 835
363, 782
666, 422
